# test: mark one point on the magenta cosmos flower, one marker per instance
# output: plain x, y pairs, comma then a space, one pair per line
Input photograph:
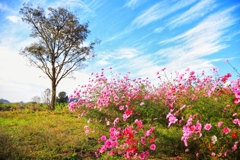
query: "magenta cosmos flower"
153, 147
226, 130
207, 126
103, 138
108, 143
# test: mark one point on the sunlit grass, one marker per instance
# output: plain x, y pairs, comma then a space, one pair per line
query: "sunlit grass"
44, 134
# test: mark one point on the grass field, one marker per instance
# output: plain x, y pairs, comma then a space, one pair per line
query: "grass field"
34, 132
42, 134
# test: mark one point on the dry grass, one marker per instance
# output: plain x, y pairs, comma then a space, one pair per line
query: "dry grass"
28, 134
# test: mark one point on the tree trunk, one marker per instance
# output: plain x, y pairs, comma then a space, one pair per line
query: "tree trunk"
53, 99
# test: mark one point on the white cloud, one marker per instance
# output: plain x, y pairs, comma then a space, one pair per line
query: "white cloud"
191, 48
77, 6
127, 53
195, 12
158, 11
13, 19
103, 62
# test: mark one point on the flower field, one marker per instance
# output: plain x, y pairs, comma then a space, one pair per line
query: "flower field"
191, 116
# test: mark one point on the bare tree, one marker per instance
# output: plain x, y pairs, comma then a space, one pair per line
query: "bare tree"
60, 49
36, 99
46, 97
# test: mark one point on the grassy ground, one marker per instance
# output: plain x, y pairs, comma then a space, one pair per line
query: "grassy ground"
32, 134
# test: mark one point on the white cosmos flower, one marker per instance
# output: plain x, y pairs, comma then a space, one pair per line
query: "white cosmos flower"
214, 139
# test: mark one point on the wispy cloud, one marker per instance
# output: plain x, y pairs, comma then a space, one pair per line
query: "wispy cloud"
118, 54
158, 30
127, 53
199, 42
154, 13
132, 4
79, 6
13, 19
4, 7
158, 11
197, 11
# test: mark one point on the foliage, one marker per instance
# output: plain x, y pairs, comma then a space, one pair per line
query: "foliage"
189, 117
142, 118
62, 97
60, 50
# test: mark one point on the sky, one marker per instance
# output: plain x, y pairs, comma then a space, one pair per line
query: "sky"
137, 36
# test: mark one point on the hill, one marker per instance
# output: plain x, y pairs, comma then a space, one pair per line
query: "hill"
4, 101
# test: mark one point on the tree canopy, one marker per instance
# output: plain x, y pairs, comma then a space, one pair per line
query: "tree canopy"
62, 97
60, 49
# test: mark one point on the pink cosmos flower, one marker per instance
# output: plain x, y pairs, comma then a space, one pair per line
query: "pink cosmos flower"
235, 121
102, 149
220, 154
139, 123
87, 129
225, 153
208, 126
234, 114
103, 138
234, 148
152, 147
112, 130
171, 118
112, 136
128, 112
236, 100
142, 156
148, 132
226, 130
115, 143
197, 154
108, 143
121, 108
143, 141
220, 124
115, 121
111, 153
198, 126
125, 117
213, 154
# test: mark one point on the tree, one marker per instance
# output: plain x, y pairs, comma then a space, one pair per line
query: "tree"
46, 97
60, 49
62, 97
36, 99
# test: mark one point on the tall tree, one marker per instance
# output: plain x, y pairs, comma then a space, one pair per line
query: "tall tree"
60, 49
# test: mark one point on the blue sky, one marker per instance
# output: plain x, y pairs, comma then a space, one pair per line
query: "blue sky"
138, 36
